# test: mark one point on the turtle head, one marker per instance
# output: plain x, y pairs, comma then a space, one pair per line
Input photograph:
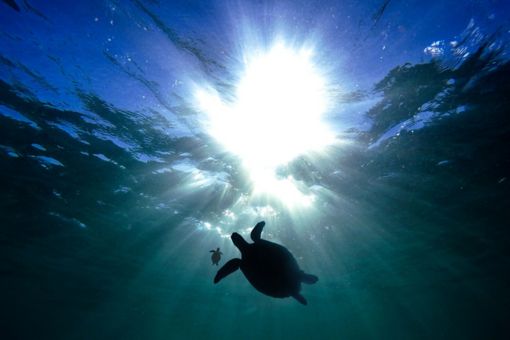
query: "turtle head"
239, 241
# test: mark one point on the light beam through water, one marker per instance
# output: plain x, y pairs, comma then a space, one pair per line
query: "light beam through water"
277, 115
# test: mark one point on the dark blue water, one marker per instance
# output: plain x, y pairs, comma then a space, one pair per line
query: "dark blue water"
115, 187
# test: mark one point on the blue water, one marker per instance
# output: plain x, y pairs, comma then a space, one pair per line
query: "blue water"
114, 188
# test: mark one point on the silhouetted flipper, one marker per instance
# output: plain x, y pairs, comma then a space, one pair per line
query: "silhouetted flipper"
308, 278
229, 267
239, 241
300, 298
257, 230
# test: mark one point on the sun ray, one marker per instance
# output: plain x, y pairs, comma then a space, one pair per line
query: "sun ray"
277, 115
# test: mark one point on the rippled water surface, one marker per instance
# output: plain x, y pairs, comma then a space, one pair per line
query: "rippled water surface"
371, 136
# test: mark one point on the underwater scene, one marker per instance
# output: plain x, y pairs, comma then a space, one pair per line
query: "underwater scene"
331, 169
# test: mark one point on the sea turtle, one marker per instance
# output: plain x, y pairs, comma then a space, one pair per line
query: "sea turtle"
216, 256
268, 266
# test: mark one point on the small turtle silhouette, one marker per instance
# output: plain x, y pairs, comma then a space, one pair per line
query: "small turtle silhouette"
268, 266
216, 256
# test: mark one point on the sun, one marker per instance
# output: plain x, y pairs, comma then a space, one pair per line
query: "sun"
277, 115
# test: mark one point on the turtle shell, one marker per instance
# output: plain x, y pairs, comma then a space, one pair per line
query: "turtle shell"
271, 269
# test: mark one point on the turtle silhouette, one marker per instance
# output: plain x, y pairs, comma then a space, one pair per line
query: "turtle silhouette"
216, 256
268, 266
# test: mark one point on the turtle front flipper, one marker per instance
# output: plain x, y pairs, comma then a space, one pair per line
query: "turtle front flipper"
229, 267
257, 230
239, 242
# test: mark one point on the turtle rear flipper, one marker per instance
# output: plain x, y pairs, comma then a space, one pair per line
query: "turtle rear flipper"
229, 267
257, 230
308, 278
300, 298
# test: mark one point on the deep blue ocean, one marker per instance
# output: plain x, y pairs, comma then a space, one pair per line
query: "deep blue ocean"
371, 136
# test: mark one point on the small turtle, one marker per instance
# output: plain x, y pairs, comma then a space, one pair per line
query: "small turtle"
216, 256
268, 266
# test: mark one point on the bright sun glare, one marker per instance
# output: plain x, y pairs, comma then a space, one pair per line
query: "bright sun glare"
276, 116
